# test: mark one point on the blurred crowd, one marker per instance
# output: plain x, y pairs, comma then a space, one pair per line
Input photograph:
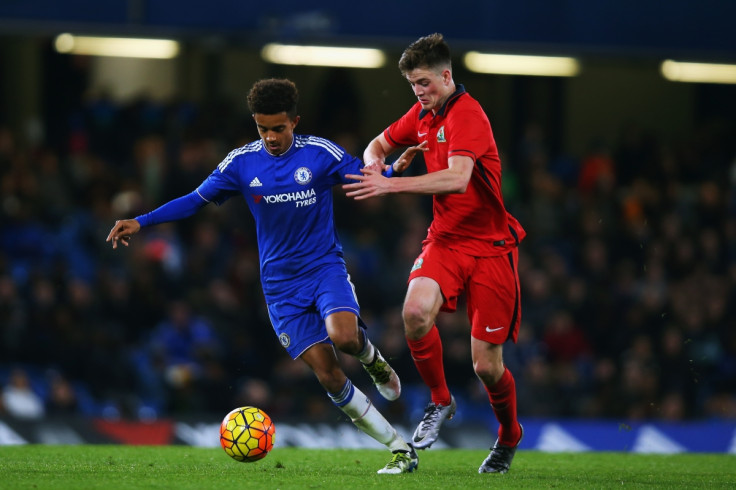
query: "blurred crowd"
628, 275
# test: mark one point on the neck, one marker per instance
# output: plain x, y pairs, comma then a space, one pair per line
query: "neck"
291, 143
448, 93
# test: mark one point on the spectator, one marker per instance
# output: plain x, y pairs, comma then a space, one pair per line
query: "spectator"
19, 399
179, 358
62, 399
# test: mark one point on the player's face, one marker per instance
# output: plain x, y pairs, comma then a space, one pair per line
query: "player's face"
276, 130
432, 88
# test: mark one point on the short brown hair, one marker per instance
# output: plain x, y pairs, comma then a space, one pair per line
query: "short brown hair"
272, 96
426, 52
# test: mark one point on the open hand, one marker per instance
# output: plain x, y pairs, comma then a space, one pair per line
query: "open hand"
402, 163
369, 184
122, 231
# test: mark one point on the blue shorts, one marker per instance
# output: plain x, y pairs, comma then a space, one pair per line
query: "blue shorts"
299, 319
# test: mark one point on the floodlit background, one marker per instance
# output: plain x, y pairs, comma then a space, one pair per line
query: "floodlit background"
619, 160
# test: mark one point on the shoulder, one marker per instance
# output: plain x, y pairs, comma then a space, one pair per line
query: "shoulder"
466, 109
319, 145
414, 113
253, 147
466, 102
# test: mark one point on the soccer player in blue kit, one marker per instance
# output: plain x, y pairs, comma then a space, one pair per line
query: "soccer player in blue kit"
287, 182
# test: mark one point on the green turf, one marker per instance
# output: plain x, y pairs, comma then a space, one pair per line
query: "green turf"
182, 467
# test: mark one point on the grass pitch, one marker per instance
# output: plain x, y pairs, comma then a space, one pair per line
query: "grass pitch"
183, 467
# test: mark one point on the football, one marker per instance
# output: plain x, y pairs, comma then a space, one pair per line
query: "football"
247, 434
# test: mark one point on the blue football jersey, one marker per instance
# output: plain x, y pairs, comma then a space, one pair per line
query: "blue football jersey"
290, 196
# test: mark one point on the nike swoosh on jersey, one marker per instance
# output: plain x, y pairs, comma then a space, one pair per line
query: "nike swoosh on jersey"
421, 135
489, 329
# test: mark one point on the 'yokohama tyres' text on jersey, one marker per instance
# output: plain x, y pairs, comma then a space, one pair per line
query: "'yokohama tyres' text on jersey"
290, 197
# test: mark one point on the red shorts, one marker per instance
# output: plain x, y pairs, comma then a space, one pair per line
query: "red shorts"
491, 285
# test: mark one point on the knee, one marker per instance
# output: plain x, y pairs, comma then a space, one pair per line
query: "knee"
488, 371
417, 321
346, 340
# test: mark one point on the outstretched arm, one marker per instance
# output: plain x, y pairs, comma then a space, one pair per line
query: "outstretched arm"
179, 208
452, 180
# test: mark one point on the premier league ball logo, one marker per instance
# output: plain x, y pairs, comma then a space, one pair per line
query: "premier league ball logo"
303, 175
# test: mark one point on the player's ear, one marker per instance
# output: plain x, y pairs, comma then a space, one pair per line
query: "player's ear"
446, 76
295, 121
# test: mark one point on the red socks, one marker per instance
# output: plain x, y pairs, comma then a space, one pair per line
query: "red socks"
503, 401
427, 355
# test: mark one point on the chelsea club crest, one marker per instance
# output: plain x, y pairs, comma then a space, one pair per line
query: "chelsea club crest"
303, 175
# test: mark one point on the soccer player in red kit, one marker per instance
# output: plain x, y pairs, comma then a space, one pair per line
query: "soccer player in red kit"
471, 245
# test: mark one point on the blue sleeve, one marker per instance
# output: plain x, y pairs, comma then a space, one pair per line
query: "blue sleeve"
179, 208
352, 165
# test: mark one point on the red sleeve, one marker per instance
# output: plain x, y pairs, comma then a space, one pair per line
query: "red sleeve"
403, 132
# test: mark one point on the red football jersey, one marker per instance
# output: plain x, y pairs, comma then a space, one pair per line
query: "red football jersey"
475, 222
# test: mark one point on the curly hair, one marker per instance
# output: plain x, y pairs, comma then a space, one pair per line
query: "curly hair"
426, 52
272, 96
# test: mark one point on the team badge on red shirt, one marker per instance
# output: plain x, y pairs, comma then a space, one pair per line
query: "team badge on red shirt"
441, 135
